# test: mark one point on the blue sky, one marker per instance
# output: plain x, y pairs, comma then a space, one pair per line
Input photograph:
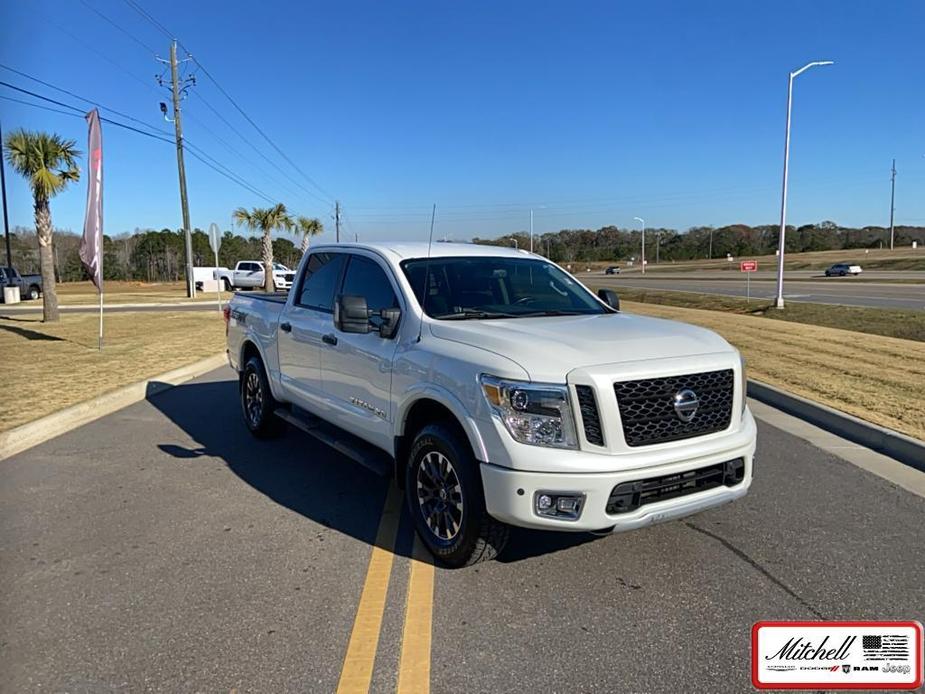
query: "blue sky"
590, 112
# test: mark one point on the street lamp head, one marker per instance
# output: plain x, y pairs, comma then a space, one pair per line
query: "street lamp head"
640, 220
806, 67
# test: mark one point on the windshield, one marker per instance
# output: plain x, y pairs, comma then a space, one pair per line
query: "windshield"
281, 267
496, 287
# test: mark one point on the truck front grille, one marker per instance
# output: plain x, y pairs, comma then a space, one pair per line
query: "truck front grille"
626, 497
590, 418
648, 412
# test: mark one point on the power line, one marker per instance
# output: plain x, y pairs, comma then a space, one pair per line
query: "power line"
328, 198
263, 134
85, 100
117, 26
140, 10
237, 132
198, 154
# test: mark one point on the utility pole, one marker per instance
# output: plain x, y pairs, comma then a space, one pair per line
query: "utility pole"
892, 201
658, 244
337, 220
176, 92
6, 221
710, 252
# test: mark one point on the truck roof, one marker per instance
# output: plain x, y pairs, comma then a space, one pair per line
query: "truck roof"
403, 250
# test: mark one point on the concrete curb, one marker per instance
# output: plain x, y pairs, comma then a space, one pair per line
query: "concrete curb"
898, 446
41, 430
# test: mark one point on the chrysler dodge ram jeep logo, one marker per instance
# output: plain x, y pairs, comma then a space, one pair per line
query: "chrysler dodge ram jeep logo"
686, 404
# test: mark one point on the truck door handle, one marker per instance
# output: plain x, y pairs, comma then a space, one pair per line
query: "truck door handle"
329, 339
285, 327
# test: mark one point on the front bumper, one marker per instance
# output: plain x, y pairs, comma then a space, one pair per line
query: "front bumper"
509, 494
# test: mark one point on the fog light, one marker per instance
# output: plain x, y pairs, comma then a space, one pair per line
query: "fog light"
559, 506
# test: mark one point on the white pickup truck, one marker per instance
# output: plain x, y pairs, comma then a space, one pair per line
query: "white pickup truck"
248, 274
497, 390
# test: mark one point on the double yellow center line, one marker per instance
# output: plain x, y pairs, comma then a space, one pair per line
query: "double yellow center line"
414, 665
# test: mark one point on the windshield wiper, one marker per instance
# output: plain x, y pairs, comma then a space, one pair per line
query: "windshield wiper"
467, 314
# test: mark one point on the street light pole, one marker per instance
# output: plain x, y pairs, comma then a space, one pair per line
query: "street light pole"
643, 222
783, 196
515, 242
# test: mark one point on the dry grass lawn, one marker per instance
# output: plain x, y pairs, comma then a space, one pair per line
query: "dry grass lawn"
880, 379
70, 293
48, 367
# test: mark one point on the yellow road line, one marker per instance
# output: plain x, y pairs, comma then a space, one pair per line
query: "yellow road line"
414, 666
357, 670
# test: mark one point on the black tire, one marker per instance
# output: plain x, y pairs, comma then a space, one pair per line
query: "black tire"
34, 292
842, 274
257, 402
228, 287
460, 539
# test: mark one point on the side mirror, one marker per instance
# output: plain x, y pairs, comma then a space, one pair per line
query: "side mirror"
390, 318
351, 314
609, 297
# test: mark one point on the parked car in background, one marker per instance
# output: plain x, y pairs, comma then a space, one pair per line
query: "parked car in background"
30, 286
612, 270
842, 269
248, 274
496, 389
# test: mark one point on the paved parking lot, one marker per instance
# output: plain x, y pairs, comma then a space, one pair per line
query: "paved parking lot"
163, 549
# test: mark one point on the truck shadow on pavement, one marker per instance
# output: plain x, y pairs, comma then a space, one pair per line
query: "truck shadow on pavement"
302, 474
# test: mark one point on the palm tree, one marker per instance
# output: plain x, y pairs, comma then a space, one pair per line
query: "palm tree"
49, 163
266, 220
308, 227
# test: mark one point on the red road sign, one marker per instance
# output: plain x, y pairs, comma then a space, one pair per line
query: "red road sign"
748, 266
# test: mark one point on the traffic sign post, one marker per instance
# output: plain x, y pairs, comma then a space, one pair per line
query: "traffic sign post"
748, 267
215, 241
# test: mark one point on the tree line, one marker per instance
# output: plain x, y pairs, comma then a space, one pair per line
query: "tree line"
611, 243
147, 255
150, 255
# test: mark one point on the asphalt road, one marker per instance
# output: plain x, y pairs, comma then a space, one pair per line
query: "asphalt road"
836, 290
162, 549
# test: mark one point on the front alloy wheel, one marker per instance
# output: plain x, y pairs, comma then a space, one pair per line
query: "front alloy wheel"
443, 488
440, 496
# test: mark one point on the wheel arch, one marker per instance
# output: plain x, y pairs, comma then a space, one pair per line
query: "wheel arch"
427, 407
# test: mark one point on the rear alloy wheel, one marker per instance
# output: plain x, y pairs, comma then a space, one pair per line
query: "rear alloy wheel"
33, 292
445, 498
257, 402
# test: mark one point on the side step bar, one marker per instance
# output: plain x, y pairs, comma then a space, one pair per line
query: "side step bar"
353, 447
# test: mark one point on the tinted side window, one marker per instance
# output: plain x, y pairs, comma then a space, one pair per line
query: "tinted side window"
365, 278
321, 276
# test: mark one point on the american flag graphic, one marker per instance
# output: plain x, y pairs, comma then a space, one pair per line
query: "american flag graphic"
885, 647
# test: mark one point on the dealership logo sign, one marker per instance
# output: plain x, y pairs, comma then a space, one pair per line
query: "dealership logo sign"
837, 655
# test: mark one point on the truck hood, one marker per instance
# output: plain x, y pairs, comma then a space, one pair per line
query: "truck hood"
548, 348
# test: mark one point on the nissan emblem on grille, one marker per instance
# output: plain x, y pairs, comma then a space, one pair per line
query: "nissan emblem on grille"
686, 404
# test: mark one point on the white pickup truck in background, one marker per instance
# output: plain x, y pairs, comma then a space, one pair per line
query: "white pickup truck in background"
497, 390
248, 274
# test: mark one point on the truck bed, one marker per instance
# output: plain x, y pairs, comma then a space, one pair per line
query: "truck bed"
276, 297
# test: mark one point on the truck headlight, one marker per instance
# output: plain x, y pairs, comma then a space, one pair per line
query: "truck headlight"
538, 414
744, 386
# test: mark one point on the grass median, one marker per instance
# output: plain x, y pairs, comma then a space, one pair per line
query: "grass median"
48, 367
126, 292
879, 379
904, 324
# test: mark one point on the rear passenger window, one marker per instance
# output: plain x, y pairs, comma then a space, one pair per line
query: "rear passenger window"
365, 278
320, 280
